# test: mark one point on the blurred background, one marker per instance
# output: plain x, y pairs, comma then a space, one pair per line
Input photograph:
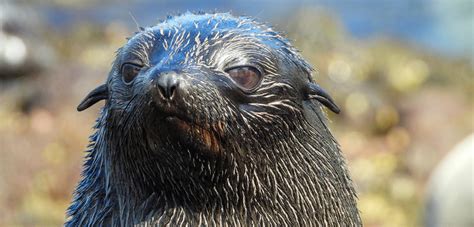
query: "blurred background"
402, 71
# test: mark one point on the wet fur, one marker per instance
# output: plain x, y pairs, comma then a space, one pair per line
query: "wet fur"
266, 158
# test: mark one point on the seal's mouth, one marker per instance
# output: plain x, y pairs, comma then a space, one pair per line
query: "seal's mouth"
202, 134
206, 137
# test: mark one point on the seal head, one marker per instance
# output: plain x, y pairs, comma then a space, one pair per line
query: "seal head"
196, 72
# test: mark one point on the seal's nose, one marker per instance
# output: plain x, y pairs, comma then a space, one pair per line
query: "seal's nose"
168, 84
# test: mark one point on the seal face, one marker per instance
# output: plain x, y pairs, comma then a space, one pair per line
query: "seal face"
211, 118
201, 74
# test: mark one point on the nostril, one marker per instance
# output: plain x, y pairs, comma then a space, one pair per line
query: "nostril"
172, 90
162, 91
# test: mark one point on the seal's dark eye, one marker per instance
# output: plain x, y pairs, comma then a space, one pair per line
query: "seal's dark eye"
246, 77
129, 72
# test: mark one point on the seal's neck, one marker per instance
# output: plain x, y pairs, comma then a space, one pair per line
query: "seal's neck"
296, 180
300, 176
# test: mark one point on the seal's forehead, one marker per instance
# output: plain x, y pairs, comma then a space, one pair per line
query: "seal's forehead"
209, 23
216, 40
200, 27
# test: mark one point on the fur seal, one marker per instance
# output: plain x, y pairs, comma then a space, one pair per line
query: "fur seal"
212, 120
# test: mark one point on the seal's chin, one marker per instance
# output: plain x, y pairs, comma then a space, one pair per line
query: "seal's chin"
203, 138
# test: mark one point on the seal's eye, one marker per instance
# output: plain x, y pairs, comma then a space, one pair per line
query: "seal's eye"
246, 77
129, 72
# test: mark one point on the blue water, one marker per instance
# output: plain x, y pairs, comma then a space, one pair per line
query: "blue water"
416, 21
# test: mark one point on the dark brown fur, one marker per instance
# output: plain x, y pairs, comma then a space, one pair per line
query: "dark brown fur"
214, 155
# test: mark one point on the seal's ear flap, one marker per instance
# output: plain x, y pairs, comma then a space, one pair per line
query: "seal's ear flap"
93, 97
314, 91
